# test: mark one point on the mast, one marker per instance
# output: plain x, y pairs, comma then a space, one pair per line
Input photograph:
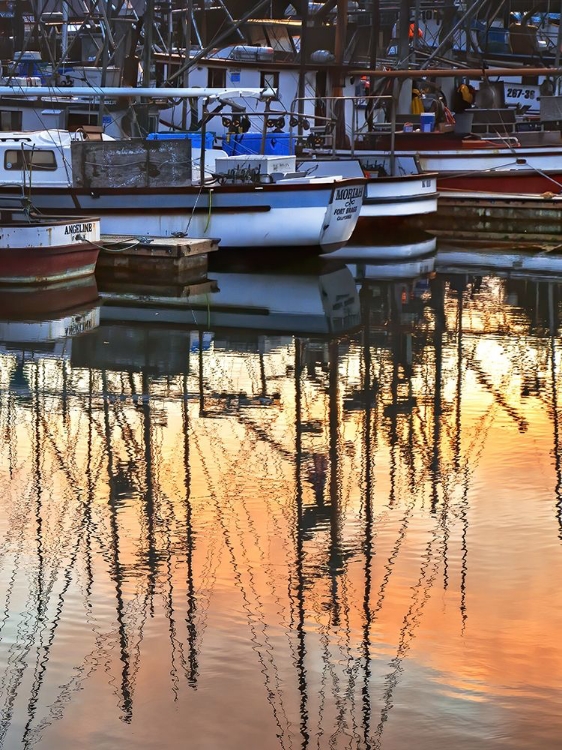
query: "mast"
374, 41
147, 48
338, 84
303, 54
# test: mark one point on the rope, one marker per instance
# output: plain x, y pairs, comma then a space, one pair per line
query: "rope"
209, 213
124, 245
469, 172
193, 209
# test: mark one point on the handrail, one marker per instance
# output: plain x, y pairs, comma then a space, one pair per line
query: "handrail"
356, 101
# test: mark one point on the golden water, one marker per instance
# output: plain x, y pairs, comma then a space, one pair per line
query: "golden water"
254, 539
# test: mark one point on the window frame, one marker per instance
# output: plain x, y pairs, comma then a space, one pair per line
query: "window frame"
19, 160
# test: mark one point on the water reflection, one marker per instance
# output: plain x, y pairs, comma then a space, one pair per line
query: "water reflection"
320, 501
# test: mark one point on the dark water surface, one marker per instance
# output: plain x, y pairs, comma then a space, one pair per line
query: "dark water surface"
294, 512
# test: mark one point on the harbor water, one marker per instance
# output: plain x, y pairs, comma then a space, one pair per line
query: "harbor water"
316, 505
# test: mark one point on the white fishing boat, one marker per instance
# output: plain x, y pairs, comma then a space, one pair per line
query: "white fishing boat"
487, 166
166, 188
386, 196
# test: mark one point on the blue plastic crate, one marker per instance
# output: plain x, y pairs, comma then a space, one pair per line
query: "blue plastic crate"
276, 144
195, 138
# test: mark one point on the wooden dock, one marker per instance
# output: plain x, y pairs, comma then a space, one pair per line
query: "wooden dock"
535, 219
165, 258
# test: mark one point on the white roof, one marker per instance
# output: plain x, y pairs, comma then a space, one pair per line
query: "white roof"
43, 138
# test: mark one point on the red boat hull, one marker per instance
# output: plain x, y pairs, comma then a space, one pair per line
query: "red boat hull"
518, 182
37, 265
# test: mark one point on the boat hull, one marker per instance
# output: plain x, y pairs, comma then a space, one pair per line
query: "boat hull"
35, 252
316, 213
523, 170
502, 182
410, 195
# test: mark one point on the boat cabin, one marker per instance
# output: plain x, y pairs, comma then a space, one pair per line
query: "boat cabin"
57, 158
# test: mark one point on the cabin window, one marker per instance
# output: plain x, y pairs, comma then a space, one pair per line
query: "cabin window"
10, 121
269, 80
217, 78
28, 159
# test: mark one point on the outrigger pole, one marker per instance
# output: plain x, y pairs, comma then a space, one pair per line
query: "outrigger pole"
454, 72
153, 92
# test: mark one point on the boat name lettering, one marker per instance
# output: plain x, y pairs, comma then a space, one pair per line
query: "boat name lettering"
345, 194
76, 228
79, 326
346, 212
426, 183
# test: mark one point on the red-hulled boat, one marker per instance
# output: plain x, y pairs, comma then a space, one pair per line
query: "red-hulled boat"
36, 249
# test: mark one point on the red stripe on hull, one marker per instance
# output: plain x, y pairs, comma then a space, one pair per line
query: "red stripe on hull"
33, 265
529, 183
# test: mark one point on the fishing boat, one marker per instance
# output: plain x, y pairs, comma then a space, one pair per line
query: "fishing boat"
36, 249
167, 188
386, 196
470, 163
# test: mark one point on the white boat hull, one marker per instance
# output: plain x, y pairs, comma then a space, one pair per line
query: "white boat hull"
385, 197
47, 234
315, 213
410, 195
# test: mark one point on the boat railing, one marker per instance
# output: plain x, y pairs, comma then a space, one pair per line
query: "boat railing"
330, 115
16, 209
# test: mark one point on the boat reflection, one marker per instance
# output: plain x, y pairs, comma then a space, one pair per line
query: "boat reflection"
398, 247
311, 296
43, 320
501, 260
284, 471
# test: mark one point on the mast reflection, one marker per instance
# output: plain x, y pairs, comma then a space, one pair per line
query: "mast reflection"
265, 492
